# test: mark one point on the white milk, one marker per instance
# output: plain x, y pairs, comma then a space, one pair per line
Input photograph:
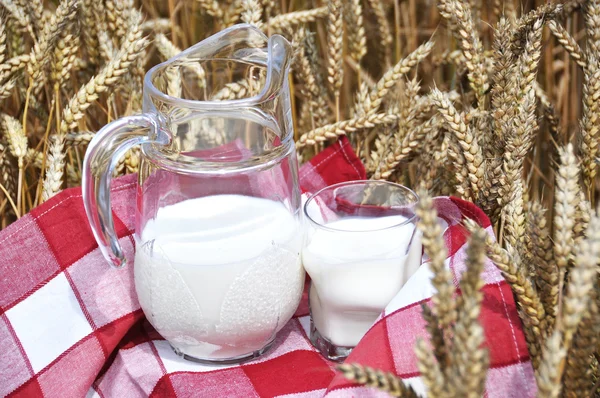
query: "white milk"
356, 274
218, 276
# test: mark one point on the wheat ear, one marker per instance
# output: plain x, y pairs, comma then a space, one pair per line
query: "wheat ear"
459, 14
252, 14
383, 28
357, 39
289, 20
566, 202
545, 270
568, 42
38, 58
549, 374
470, 359
3, 48
132, 48
435, 248
211, 7
55, 167
456, 123
335, 42
168, 50
528, 299
432, 375
375, 378
589, 125
393, 75
335, 130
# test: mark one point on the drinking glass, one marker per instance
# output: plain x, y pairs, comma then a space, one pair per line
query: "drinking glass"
361, 246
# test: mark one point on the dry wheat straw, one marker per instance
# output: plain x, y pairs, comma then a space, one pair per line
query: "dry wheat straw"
374, 378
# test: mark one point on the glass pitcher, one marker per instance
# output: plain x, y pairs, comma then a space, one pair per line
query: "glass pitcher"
217, 267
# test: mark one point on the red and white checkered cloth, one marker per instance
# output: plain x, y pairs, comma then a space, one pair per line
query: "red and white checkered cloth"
70, 325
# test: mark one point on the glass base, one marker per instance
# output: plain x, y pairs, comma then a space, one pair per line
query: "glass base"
327, 348
226, 361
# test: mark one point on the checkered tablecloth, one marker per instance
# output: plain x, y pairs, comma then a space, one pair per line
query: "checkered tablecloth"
70, 325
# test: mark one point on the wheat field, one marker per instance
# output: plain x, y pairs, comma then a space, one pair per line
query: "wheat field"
496, 102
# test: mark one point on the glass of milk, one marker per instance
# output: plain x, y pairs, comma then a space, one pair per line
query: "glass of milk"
361, 246
218, 235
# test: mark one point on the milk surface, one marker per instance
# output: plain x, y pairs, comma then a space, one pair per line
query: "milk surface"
356, 274
218, 276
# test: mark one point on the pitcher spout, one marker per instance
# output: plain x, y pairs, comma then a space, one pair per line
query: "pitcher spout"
241, 44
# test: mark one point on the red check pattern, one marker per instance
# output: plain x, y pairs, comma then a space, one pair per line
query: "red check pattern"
71, 326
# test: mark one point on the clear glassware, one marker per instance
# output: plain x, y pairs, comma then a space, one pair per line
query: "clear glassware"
361, 246
217, 265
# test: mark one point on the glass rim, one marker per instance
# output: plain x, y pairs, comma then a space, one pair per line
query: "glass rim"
359, 182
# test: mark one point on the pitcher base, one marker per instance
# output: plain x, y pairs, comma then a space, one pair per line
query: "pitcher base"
225, 361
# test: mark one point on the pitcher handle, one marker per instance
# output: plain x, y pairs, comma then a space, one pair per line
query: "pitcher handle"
101, 157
